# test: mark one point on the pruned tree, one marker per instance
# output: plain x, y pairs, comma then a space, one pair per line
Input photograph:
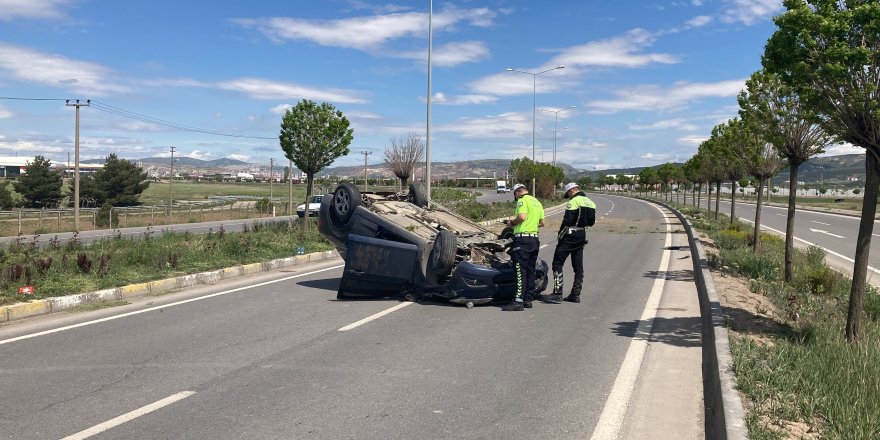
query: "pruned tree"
828, 51
313, 136
730, 146
791, 127
40, 185
648, 178
403, 154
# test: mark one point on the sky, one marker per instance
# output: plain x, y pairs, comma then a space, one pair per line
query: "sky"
643, 82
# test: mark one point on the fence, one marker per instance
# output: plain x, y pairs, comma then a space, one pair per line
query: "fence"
55, 220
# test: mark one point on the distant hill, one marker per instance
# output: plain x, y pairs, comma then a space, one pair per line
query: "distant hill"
191, 162
484, 168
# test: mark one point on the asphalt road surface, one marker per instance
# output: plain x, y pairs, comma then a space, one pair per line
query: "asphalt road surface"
833, 232
277, 356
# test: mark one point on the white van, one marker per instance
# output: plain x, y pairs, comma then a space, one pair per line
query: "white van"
501, 187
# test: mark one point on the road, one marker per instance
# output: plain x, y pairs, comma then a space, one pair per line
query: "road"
266, 357
833, 232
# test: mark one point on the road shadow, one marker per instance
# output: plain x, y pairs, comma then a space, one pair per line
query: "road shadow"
671, 275
331, 284
679, 332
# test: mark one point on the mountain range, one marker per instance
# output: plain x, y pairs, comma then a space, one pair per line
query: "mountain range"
831, 169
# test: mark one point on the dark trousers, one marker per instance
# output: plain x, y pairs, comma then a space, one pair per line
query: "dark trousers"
524, 253
573, 245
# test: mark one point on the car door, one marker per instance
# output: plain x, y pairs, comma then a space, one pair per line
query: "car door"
376, 267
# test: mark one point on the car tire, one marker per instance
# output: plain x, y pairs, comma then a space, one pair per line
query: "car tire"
345, 199
442, 257
417, 195
506, 233
542, 284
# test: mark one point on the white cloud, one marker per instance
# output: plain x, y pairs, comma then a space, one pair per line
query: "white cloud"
280, 109
28, 65
750, 12
692, 140
43, 9
196, 154
656, 98
678, 124
451, 54
369, 33
838, 150
259, 88
5, 113
441, 99
504, 126
30, 146
621, 51
241, 157
699, 21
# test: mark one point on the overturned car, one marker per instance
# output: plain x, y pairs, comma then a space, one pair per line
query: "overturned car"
392, 243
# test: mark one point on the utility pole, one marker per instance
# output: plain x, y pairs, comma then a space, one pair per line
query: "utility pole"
76, 103
271, 169
171, 184
366, 154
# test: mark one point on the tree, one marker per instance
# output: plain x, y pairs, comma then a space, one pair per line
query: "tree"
39, 186
729, 138
666, 174
829, 52
790, 126
403, 154
5, 197
648, 177
547, 176
119, 183
313, 136
691, 172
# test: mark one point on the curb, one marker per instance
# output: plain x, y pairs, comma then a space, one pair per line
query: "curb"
55, 304
724, 412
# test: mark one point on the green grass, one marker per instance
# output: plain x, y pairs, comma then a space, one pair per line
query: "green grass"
97, 305
68, 267
809, 373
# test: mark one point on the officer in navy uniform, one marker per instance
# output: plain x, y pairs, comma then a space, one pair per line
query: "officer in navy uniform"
579, 214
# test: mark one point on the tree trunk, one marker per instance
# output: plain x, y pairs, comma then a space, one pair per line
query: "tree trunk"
756, 241
732, 201
717, 198
699, 195
789, 222
863, 248
310, 178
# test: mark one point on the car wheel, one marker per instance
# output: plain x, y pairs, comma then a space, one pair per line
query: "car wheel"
345, 199
543, 282
417, 195
506, 233
442, 257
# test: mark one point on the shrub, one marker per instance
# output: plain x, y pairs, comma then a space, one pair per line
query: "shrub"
732, 239
106, 218
83, 262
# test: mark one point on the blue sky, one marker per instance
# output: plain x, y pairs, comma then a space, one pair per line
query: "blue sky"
647, 79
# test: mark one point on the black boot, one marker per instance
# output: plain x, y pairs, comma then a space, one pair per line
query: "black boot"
513, 306
556, 296
575, 295
573, 298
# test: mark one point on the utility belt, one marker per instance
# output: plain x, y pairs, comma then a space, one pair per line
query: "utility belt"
525, 234
568, 230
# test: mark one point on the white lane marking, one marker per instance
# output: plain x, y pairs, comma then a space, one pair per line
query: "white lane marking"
129, 416
831, 214
826, 233
820, 223
838, 255
614, 412
374, 317
138, 312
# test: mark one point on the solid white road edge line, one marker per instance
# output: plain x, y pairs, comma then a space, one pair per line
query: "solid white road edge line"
614, 412
129, 416
138, 312
871, 268
374, 317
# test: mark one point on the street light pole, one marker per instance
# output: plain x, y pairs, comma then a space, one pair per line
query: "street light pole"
555, 125
365, 153
534, 106
428, 122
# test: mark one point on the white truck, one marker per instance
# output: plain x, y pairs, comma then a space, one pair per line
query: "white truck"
501, 186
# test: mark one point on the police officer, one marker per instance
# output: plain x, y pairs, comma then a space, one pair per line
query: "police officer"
529, 217
579, 214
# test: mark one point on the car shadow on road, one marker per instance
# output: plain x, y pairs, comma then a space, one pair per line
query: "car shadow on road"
325, 284
679, 332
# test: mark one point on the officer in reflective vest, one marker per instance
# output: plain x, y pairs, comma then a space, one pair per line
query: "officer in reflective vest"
579, 214
524, 252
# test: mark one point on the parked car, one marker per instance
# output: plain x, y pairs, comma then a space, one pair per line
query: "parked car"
314, 205
392, 243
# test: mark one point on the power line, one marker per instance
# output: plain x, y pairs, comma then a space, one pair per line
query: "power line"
107, 108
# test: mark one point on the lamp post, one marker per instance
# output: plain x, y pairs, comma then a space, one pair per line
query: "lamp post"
534, 106
555, 124
428, 118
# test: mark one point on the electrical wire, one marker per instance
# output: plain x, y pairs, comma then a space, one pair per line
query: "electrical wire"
107, 108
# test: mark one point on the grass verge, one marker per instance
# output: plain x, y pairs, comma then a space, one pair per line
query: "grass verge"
69, 267
799, 377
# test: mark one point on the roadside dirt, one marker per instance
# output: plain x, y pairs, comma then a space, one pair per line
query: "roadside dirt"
754, 316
